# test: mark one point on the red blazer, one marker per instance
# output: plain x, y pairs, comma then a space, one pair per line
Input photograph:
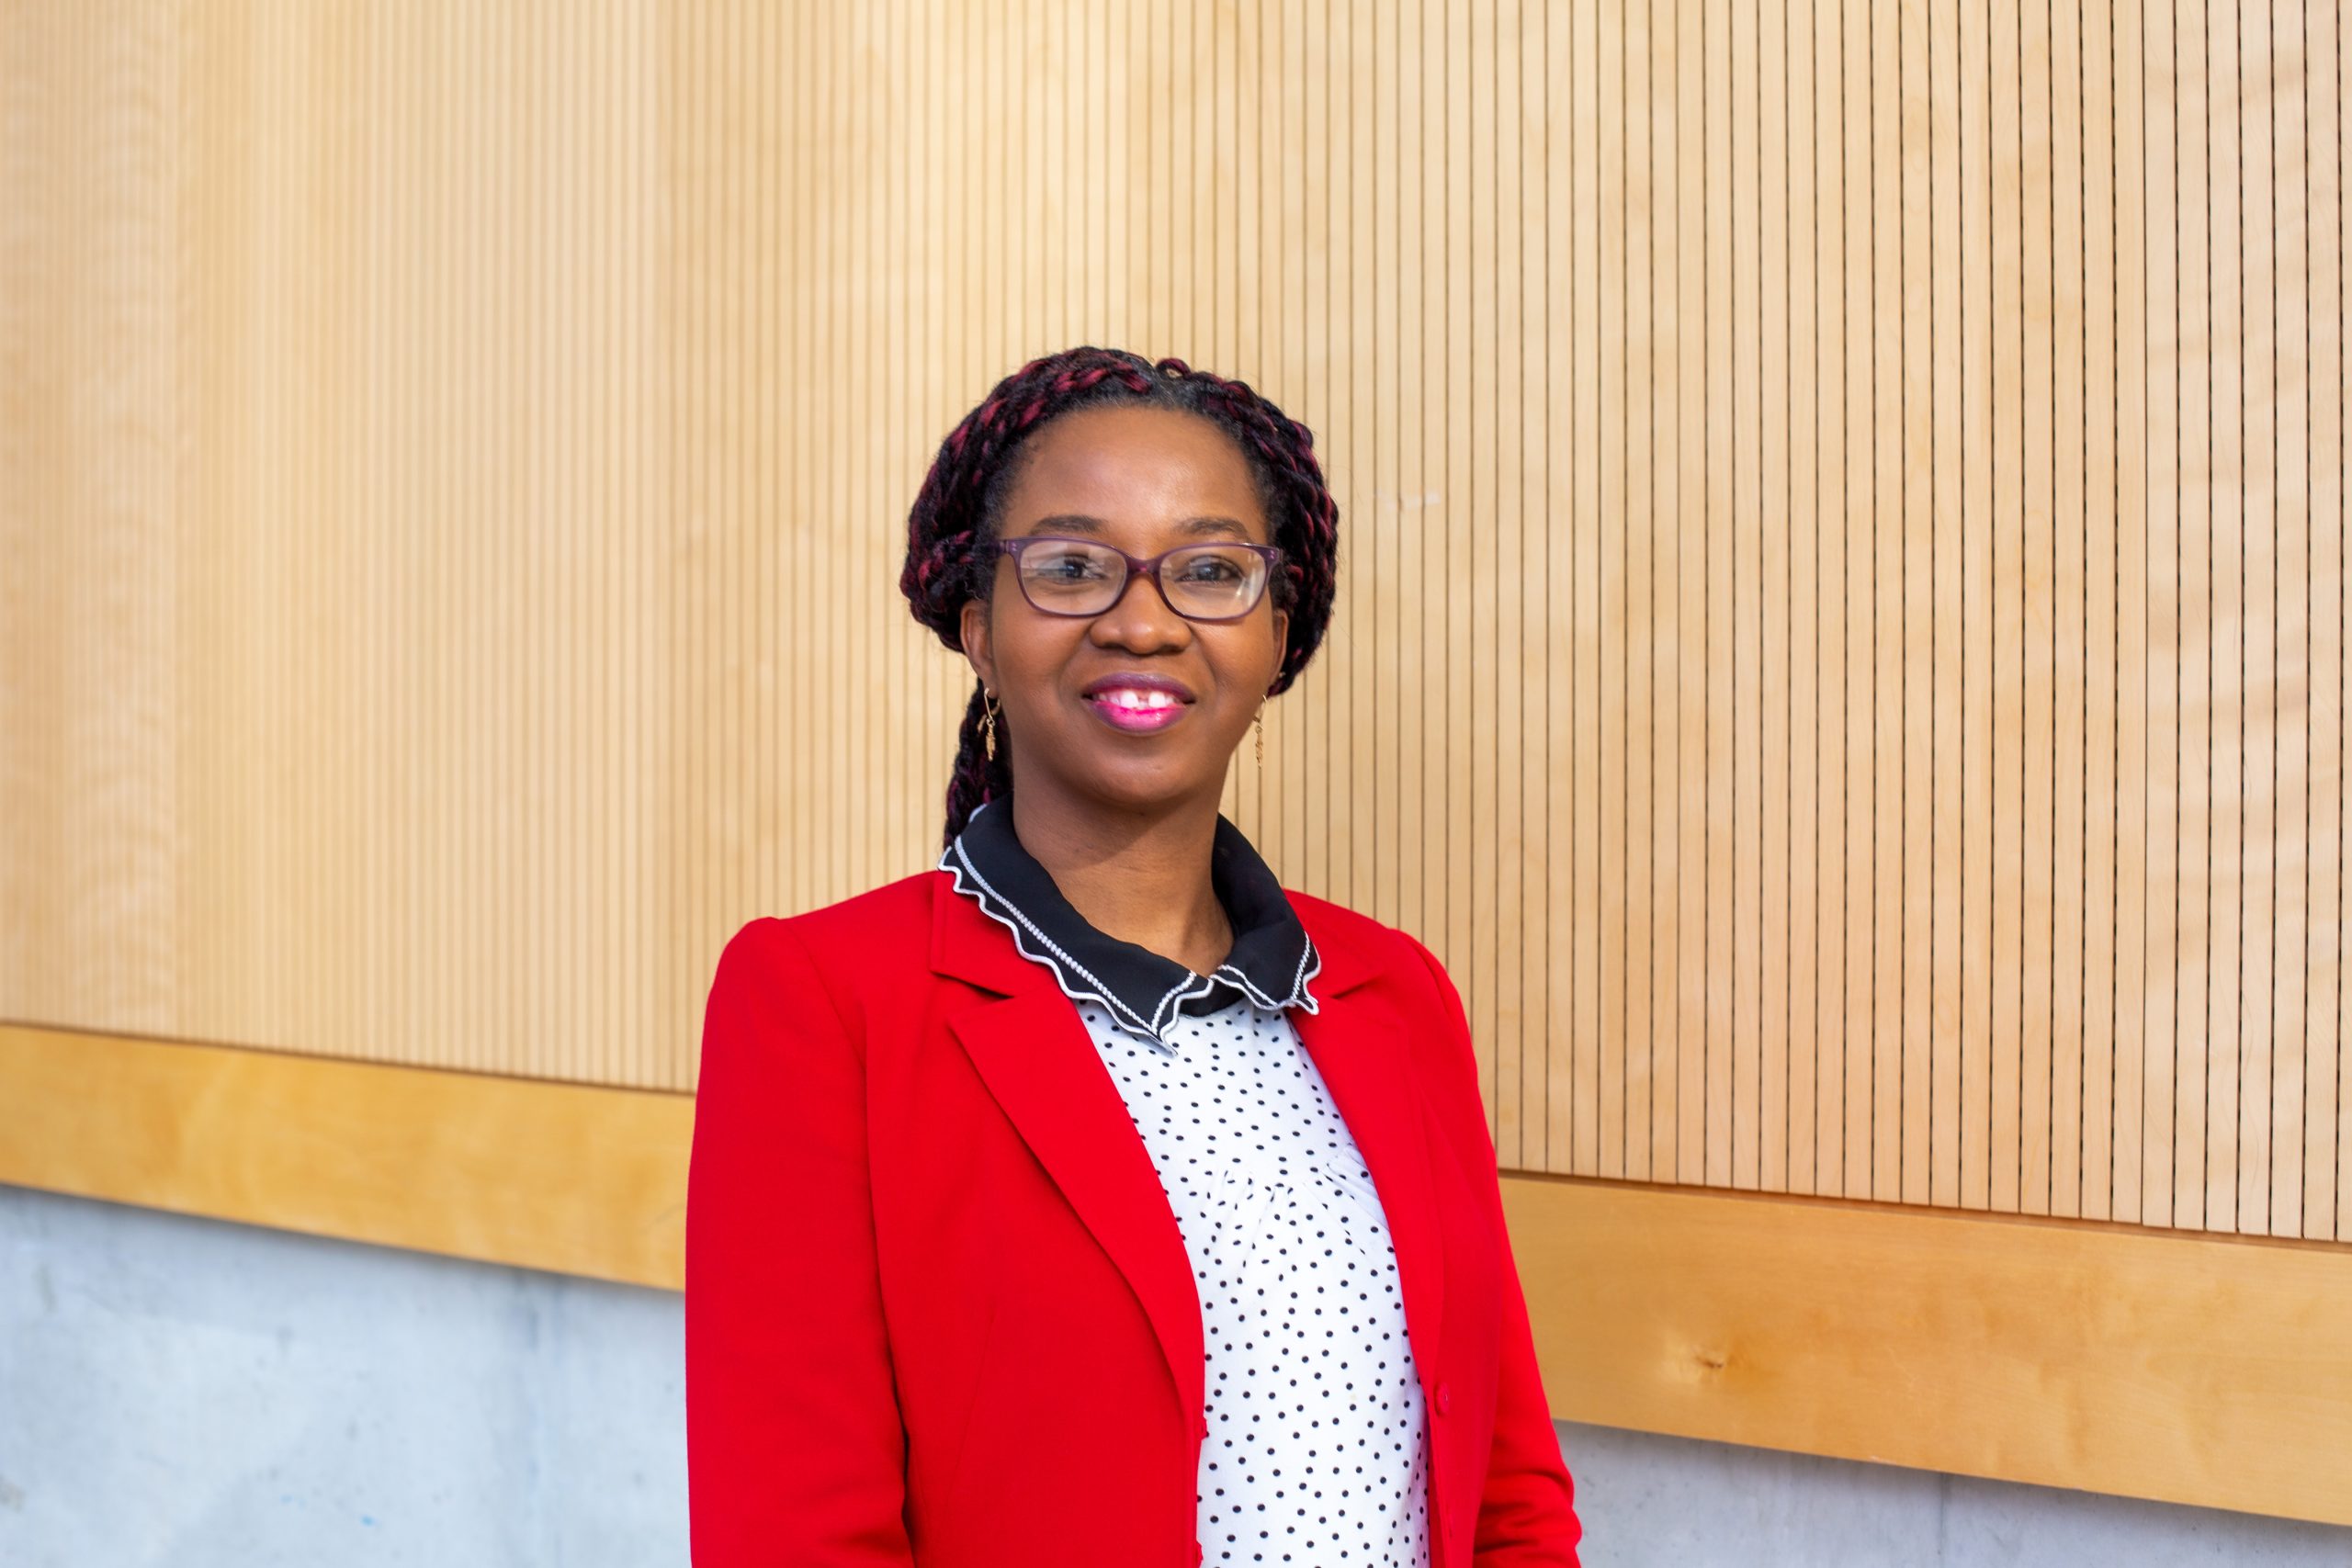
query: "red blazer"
937, 1309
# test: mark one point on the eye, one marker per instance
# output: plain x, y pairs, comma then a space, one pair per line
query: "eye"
1064, 564
1211, 566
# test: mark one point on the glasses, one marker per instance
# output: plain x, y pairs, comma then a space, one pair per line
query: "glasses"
1084, 576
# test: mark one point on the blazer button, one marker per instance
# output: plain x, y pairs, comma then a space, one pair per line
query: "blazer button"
1444, 1399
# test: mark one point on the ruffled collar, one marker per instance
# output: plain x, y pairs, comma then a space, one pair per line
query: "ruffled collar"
1271, 961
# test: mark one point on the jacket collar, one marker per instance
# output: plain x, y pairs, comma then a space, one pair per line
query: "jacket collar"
1029, 1047
1272, 961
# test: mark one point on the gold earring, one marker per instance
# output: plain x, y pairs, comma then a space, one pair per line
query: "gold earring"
1260, 725
987, 721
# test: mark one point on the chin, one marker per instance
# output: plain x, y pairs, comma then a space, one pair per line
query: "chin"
1147, 792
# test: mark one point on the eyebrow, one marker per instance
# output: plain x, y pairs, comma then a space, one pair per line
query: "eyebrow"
1079, 522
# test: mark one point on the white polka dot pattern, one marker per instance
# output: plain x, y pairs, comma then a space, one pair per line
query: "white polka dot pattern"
1315, 1450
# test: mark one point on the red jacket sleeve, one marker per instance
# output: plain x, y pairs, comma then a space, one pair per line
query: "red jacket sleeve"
1527, 1515
794, 1451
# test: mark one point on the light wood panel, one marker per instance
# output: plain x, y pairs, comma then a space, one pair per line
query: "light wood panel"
2195, 1370
573, 1177
1841, 633
2108, 1357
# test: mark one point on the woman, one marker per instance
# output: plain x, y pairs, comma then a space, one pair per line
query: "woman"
1090, 1198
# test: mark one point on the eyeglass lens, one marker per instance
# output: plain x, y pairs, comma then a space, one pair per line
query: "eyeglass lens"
1074, 578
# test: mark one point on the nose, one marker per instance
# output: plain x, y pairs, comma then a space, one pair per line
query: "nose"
1141, 621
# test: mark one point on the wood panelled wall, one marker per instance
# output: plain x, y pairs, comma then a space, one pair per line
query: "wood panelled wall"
1841, 640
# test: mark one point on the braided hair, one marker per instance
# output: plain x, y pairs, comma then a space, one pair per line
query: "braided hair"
954, 525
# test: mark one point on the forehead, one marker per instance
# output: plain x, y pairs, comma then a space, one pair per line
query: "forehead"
1134, 466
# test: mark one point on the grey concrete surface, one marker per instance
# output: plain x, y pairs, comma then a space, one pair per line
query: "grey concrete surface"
185, 1392
1667, 1503
178, 1392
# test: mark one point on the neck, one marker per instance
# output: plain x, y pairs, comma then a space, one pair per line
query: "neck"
1143, 879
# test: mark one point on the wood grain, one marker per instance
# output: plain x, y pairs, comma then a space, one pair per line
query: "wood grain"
2193, 1369
572, 1177
1840, 645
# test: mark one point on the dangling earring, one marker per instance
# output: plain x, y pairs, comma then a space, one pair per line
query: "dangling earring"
1259, 724
987, 721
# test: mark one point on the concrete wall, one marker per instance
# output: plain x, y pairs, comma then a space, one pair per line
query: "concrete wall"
204, 1395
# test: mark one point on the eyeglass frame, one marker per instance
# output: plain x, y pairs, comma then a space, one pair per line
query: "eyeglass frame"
1138, 566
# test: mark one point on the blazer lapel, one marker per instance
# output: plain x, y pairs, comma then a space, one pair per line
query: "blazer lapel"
1033, 1053
1361, 1045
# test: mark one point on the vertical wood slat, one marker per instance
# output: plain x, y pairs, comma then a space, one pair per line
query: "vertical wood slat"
2101, 669
2324, 1039
2332, 964
1646, 1135
2161, 581
1615, 907
1801, 1139
1538, 942
1769, 594
2040, 625
1460, 511
2282, 1108
2006, 524
1947, 765
2193, 937
1888, 536
2135, 883
2258, 590
1745, 849
1588, 1047
1860, 599
1523, 1113
2069, 604
1721, 768
1694, 364
2227, 499
1970, 1072
1888, 738
1831, 1020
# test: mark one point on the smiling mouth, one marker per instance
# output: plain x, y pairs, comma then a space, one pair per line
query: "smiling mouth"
1136, 710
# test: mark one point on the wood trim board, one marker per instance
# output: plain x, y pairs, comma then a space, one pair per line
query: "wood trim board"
572, 1178
2179, 1367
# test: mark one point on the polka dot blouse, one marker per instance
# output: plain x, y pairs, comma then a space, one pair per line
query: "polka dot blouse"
1317, 1444
1316, 1427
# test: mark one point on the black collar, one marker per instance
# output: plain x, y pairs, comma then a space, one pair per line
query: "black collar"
1271, 961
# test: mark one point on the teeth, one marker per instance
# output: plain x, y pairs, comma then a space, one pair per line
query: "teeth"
1138, 697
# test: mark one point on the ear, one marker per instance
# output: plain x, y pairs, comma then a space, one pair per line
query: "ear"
973, 632
1281, 636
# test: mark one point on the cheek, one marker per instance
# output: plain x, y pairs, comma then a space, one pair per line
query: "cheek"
1247, 665
1032, 651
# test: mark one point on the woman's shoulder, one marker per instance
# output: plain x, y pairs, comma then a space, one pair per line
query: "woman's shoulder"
1375, 941
891, 912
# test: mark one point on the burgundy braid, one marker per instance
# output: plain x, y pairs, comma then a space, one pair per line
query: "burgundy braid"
954, 522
